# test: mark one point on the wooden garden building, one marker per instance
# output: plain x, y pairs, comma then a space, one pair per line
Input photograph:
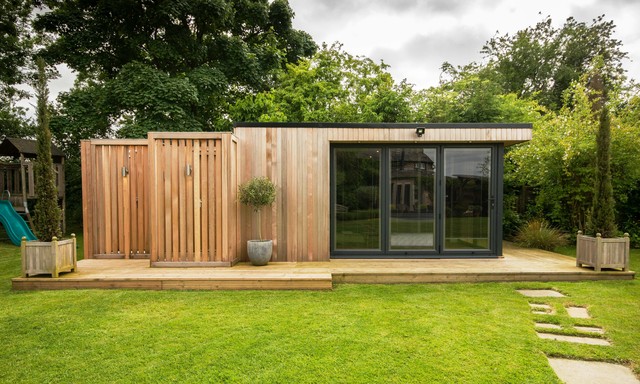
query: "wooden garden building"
344, 191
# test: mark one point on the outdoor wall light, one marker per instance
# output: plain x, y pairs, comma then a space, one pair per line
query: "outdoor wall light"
420, 131
125, 171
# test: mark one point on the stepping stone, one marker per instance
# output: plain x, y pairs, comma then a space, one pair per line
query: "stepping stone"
542, 309
578, 312
540, 293
591, 372
573, 339
548, 326
590, 329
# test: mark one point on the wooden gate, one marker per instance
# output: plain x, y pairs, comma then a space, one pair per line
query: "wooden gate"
115, 194
193, 208
170, 198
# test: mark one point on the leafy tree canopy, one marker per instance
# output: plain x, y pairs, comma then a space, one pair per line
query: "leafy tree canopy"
332, 86
15, 45
559, 160
471, 94
168, 65
542, 61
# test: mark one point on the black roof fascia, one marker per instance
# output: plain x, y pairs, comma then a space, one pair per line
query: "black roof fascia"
381, 125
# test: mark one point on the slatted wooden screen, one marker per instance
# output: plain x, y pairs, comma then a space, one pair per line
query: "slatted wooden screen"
115, 193
193, 208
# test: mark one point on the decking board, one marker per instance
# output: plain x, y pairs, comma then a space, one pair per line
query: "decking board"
518, 264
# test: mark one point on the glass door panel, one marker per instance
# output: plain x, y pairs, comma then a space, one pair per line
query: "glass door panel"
357, 198
467, 213
412, 197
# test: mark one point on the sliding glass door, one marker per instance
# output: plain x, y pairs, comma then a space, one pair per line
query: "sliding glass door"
467, 198
357, 198
413, 201
411, 204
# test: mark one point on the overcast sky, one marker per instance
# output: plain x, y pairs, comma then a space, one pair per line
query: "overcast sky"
415, 37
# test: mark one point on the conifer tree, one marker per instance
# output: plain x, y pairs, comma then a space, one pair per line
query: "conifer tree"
47, 212
603, 215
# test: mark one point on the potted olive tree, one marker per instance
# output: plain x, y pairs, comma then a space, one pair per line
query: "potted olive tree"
604, 250
48, 255
258, 193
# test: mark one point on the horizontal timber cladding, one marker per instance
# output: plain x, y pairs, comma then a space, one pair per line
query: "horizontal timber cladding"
296, 156
193, 198
115, 195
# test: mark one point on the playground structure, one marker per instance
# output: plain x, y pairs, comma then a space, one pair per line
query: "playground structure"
17, 183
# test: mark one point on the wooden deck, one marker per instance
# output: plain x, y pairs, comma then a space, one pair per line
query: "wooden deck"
518, 264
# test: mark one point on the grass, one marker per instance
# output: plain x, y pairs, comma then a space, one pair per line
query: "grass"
467, 333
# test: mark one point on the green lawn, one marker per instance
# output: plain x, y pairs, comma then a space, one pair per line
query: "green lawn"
466, 333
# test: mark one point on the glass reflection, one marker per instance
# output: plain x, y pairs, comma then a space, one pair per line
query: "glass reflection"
412, 189
467, 200
357, 210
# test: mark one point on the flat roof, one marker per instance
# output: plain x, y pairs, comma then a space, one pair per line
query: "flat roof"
243, 124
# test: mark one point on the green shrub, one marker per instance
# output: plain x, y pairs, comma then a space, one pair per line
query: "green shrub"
257, 193
537, 233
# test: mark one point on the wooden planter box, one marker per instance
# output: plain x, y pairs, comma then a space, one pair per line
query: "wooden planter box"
40, 257
599, 252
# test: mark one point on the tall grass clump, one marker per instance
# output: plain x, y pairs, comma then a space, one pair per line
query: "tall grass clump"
537, 233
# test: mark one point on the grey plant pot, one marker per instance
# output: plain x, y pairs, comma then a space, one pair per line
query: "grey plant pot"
259, 251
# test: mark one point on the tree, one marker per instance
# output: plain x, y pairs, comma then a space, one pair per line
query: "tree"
628, 204
602, 210
170, 65
559, 161
15, 45
542, 61
332, 86
471, 94
47, 212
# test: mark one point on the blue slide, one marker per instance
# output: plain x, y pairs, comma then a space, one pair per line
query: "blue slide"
15, 225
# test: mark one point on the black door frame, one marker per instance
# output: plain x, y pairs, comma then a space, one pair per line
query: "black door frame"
495, 217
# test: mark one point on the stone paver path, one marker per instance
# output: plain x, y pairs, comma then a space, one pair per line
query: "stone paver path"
591, 372
597, 330
573, 339
548, 326
578, 312
540, 293
577, 371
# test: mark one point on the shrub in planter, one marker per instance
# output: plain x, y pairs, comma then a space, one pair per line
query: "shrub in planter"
258, 193
604, 250
48, 256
